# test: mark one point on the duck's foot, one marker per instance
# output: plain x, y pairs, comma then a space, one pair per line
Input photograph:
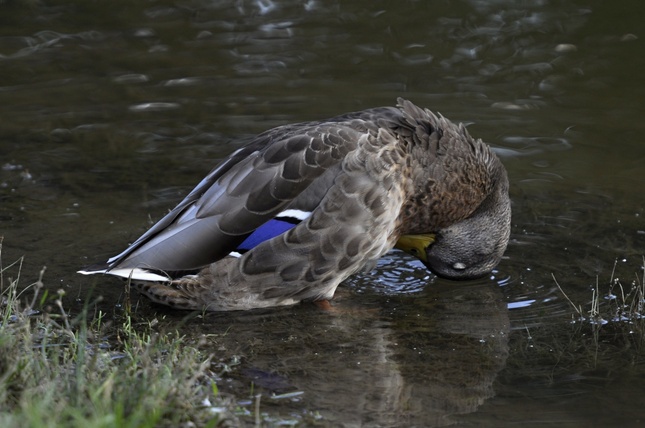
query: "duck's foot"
325, 305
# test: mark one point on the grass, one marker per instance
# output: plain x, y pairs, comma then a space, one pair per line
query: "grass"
615, 314
606, 336
82, 371
624, 303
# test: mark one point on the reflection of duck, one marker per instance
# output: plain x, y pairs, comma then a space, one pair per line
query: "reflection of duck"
301, 207
418, 361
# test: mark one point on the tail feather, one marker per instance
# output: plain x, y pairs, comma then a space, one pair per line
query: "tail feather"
135, 274
167, 294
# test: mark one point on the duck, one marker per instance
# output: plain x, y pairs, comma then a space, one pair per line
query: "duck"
301, 207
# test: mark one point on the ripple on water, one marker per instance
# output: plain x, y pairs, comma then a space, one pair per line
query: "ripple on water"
527, 73
154, 107
395, 273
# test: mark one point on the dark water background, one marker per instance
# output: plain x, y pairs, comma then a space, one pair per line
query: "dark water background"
111, 111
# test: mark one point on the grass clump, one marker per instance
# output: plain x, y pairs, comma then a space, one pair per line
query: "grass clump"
617, 310
59, 370
604, 340
606, 335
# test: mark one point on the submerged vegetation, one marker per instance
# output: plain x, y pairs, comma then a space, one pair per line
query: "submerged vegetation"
604, 338
82, 371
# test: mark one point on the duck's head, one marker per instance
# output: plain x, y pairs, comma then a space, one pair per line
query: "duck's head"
470, 248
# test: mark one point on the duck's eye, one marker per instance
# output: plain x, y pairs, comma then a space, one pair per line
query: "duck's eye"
459, 266
414, 251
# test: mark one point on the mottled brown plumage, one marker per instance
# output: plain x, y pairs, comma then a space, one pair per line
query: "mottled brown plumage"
368, 178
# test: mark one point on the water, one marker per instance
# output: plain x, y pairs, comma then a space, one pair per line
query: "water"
109, 114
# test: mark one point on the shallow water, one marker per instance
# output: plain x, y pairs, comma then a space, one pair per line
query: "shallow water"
110, 114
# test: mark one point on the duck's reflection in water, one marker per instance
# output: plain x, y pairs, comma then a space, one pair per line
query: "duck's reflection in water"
374, 360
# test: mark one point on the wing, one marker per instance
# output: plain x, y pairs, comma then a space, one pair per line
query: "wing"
353, 226
245, 191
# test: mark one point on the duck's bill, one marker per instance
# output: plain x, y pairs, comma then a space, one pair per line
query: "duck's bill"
416, 245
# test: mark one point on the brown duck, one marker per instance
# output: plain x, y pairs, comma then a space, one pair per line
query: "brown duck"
302, 207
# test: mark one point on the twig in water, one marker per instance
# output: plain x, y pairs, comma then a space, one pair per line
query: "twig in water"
576, 308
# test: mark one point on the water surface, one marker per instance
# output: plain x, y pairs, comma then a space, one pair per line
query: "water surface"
111, 112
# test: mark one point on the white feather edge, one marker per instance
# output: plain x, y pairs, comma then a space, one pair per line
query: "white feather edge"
127, 273
298, 214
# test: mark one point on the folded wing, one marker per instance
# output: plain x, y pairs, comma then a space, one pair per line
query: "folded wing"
242, 193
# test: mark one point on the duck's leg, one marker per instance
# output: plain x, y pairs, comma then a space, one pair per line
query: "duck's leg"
324, 304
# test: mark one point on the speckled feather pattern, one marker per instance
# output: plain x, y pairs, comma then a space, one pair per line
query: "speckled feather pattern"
368, 177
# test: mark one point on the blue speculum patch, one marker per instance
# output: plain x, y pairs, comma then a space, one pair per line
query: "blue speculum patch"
272, 228
268, 230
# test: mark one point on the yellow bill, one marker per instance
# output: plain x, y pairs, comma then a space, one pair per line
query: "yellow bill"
415, 245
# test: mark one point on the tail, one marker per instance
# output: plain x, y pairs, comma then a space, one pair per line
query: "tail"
170, 294
135, 274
